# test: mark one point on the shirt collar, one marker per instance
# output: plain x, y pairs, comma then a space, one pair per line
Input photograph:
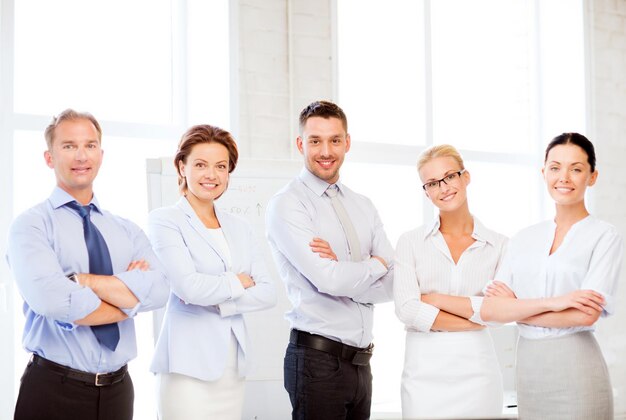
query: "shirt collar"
315, 184
480, 233
60, 197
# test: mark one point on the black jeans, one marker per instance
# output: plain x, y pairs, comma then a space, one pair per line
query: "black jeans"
326, 387
45, 395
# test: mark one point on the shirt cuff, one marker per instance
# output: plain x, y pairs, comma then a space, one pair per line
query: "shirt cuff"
137, 283
83, 301
131, 312
377, 268
425, 317
609, 302
477, 303
228, 308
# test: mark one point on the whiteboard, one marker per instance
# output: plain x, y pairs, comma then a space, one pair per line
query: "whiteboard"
252, 184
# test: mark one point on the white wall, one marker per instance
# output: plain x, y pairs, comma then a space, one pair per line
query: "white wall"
285, 62
607, 21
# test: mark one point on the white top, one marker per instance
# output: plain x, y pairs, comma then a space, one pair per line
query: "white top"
423, 265
589, 257
220, 240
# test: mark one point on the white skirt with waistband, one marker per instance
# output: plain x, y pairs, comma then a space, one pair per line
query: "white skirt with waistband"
181, 397
563, 378
450, 375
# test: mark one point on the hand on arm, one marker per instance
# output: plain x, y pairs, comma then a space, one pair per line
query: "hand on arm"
506, 309
246, 280
499, 289
324, 250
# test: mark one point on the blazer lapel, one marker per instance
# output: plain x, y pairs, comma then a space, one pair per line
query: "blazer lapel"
199, 227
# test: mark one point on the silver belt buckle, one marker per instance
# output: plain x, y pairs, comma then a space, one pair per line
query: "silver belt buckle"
98, 377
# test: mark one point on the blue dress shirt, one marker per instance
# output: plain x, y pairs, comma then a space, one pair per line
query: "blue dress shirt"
330, 298
46, 244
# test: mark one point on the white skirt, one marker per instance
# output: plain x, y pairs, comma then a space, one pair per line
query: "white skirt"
563, 378
451, 374
181, 397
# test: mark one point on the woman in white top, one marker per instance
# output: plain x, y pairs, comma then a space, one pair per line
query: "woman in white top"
216, 273
572, 261
450, 368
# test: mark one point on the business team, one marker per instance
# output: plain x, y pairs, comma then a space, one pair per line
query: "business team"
450, 280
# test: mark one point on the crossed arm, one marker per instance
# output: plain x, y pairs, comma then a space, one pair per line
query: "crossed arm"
113, 293
379, 291
454, 313
577, 308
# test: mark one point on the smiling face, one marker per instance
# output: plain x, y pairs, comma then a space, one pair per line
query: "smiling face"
567, 173
76, 156
206, 171
450, 196
324, 144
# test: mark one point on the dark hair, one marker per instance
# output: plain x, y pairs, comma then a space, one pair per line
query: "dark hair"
69, 115
578, 140
199, 134
323, 109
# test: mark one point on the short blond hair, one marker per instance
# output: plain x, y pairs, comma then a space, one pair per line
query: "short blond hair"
70, 115
442, 150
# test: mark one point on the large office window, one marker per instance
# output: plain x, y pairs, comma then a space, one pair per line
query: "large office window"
491, 77
147, 70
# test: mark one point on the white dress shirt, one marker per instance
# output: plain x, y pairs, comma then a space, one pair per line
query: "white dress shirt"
589, 257
423, 265
329, 298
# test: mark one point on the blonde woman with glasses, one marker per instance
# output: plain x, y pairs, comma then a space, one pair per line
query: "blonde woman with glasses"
450, 368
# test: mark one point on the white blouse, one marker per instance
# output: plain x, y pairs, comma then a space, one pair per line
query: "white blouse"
220, 239
589, 257
423, 265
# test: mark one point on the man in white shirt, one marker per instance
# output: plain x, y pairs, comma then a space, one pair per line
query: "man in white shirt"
335, 259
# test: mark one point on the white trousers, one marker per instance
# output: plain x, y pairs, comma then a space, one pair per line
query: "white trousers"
181, 397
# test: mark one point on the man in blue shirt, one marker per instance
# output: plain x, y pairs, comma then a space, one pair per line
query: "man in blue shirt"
79, 324
335, 259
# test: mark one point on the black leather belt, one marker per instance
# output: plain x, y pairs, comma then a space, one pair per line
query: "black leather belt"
356, 355
96, 379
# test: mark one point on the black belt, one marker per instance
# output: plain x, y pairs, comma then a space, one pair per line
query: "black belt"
97, 379
356, 355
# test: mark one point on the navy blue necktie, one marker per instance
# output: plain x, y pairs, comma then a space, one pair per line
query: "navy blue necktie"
99, 263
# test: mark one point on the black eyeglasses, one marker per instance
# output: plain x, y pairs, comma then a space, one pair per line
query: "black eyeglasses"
448, 180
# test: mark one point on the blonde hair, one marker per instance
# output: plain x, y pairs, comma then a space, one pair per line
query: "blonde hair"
69, 115
442, 150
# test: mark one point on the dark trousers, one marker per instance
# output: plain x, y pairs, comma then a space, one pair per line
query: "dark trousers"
46, 395
326, 387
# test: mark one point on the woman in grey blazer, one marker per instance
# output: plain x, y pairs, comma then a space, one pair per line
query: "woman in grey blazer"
216, 273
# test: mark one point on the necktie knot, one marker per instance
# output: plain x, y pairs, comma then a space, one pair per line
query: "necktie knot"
83, 211
332, 191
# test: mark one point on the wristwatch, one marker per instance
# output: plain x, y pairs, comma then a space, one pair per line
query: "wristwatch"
73, 277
